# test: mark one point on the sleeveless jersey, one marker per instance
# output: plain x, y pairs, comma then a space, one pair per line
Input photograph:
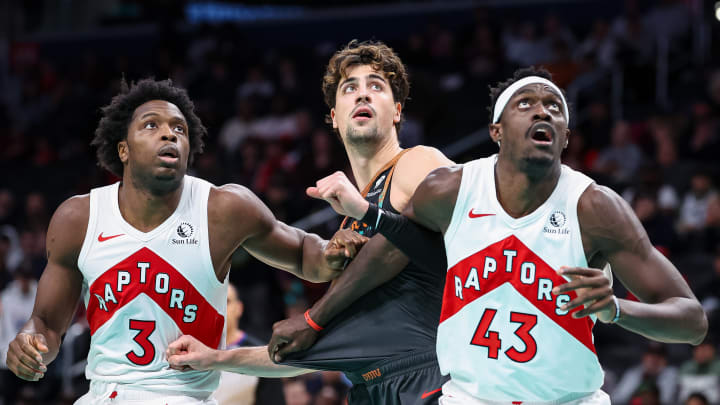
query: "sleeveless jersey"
143, 290
396, 318
502, 334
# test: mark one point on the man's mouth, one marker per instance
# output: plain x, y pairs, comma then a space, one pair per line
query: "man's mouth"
542, 134
169, 154
362, 114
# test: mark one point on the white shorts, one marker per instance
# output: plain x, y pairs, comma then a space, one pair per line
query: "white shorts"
118, 394
598, 397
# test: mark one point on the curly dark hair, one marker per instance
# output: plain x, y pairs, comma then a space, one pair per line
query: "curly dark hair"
374, 53
517, 75
117, 115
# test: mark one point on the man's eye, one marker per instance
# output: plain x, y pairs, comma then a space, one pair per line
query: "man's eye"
554, 106
180, 129
376, 86
524, 103
349, 88
149, 125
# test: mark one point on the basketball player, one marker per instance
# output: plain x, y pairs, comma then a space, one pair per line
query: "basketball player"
526, 238
152, 253
384, 342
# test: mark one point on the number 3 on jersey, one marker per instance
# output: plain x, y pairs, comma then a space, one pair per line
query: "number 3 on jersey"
144, 328
487, 338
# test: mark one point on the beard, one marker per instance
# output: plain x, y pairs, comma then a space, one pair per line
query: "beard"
362, 136
156, 184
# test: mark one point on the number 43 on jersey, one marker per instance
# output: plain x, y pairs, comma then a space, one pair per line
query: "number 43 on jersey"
486, 338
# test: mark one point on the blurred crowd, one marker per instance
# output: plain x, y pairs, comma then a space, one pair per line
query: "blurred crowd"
263, 107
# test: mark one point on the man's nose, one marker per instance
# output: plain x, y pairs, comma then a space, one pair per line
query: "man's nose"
168, 134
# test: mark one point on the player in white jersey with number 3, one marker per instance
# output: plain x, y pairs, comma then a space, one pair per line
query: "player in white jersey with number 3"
152, 254
526, 239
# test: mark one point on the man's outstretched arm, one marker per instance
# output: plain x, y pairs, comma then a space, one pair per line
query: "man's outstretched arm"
188, 353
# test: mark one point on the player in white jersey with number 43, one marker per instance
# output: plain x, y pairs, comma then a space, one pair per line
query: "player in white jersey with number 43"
526, 239
152, 254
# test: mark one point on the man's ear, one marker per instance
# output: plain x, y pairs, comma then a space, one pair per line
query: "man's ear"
567, 138
398, 113
495, 132
123, 151
332, 117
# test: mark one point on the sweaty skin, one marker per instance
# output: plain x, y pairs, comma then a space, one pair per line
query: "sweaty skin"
149, 194
526, 174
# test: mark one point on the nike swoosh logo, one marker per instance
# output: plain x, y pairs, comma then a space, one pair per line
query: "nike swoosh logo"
102, 238
471, 214
427, 394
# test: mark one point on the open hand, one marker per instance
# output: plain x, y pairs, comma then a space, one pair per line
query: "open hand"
24, 356
290, 336
342, 195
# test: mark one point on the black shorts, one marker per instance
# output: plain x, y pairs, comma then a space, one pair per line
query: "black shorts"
412, 379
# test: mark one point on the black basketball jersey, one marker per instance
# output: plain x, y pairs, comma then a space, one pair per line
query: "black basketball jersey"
394, 319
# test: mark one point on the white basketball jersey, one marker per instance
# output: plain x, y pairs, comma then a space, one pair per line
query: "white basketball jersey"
502, 334
146, 289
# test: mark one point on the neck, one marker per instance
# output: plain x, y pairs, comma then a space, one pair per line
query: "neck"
144, 209
521, 190
367, 159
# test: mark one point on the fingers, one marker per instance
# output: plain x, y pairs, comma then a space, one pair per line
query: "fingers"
350, 241
598, 306
313, 192
26, 365
39, 342
274, 345
179, 346
590, 298
284, 350
180, 362
579, 271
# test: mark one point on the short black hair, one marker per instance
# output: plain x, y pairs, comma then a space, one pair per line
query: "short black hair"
116, 117
517, 75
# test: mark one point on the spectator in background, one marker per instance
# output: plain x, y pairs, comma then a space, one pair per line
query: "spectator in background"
240, 389
649, 179
652, 374
694, 208
16, 303
237, 129
658, 226
701, 374
598, 49
696, 399
296, 392
522, 45
708, 293
256, 84
622, 158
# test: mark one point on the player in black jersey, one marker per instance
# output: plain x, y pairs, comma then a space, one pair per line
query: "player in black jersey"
384, 342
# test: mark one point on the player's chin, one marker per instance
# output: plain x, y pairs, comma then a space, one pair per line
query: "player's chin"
168, 173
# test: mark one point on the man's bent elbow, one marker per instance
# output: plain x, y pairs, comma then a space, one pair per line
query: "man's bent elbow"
700, 325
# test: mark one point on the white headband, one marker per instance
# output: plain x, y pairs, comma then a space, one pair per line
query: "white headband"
508, 93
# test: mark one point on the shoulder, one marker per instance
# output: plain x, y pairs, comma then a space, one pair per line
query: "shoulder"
229, 198
608, 220
422, 158
600, 205
233, 204
436, 195
442, 180
63, 238
415, 165
72, 213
